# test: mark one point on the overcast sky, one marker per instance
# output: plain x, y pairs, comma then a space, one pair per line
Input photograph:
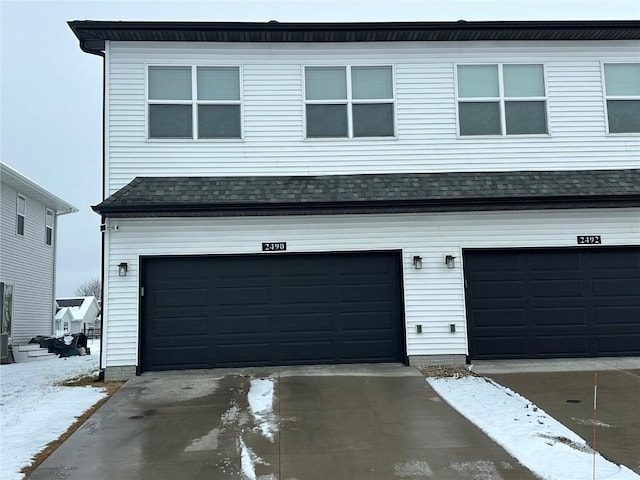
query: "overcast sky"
51, 92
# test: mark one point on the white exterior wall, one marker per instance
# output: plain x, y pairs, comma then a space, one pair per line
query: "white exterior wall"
434, 296
273, 106
27, 263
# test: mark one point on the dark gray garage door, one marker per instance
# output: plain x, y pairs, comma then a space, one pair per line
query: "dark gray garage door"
553, 303
203, 312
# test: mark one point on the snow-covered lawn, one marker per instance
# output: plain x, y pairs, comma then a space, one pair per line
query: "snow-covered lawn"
35, 410
538, 441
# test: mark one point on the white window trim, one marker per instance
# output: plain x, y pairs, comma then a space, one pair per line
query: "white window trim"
614, 97
349, 102
48, 227
501, 99
19, 214
193, 102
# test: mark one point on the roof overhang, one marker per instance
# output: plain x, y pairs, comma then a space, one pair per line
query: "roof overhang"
30, 189
371, 193
93, 34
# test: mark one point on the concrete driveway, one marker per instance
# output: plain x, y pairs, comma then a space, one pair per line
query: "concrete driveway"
564, 389
353, 423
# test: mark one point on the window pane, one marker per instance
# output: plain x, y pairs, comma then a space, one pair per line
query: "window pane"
218, 83
20, 225
219, 121
325, 83
479, 118
49, 219
170, 121
373, 120
49, 236
624, 116
523, 80
326, 121
169, 83
22, 205
371, 82
525, 118
477, 81
622, 78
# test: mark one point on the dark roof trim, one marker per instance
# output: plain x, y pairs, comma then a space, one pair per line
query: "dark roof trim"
93, 34
373, 193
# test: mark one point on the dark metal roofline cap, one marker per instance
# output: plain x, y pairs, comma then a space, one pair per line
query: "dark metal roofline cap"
93, 34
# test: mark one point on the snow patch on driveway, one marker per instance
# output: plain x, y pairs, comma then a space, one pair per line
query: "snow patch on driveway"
261, 406
538, 441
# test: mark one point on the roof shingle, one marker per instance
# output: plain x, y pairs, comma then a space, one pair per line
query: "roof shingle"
277, 195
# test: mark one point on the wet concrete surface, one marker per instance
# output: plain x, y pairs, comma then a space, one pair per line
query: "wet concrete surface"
569, 397
377, 423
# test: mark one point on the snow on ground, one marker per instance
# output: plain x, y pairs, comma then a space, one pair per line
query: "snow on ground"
261, 406
35, 410
538, 441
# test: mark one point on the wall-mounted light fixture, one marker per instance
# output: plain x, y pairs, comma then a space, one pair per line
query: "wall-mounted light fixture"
122, 269
417, 262
450, 261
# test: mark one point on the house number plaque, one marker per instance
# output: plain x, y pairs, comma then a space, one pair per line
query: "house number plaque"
274, 246
589, 239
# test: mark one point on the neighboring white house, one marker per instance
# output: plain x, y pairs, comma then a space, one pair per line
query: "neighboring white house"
280, 194
76, 314
28, 230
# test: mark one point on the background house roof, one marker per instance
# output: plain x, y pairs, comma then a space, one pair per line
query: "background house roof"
30, 189
286, 195
93, 34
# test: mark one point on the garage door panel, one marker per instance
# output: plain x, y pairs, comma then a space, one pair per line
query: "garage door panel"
557, 289
190, 356
308, 323
496, 289
559, 317
180, 326
181, 298
617, 287
558, 346
614, 345
276, 309
507, 346
615, 259
242, 324
367, 321
617, 315
572, 302
500, 318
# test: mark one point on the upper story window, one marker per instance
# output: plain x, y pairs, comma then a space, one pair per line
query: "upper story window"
622, 88
194, 102
502, 99
48, 227
347, 102
21, 214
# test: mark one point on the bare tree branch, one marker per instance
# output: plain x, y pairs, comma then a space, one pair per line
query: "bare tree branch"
89, 288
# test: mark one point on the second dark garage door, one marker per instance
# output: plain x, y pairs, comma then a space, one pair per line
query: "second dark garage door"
542, 303
223, 311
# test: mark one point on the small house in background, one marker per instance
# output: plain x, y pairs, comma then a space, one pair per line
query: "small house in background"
76, 314
28, 231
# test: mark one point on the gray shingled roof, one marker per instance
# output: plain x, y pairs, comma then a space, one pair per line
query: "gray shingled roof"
400, 192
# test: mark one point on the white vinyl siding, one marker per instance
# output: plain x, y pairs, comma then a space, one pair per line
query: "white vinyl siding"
29, 267
434, 295
425, 103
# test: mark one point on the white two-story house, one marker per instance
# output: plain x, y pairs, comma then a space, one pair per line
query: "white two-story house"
28, 241
282, 194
